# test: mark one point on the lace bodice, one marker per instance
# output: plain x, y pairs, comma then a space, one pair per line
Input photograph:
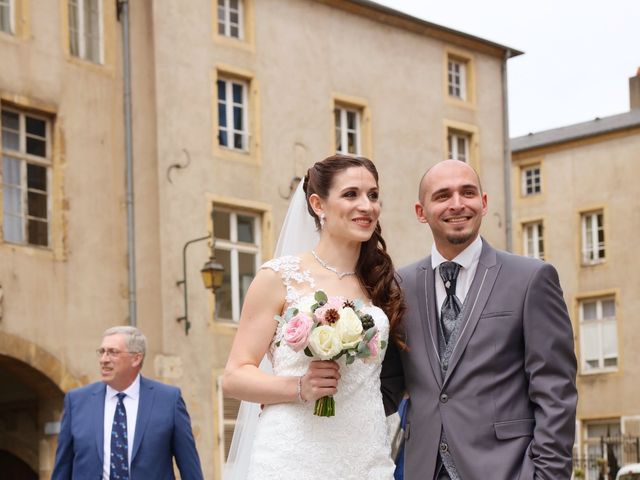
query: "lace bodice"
292, 443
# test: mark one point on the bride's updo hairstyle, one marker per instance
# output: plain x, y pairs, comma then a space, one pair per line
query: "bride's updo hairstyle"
374, 268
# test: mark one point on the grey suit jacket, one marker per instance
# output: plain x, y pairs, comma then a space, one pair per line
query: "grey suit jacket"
507, 402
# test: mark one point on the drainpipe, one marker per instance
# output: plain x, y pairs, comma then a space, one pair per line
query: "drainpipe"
123, 15
506, 153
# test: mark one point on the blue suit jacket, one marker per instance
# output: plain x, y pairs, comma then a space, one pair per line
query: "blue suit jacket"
163, 431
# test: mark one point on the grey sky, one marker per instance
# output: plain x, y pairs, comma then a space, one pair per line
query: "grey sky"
579, 54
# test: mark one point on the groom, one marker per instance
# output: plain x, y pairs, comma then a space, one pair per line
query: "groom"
490, 366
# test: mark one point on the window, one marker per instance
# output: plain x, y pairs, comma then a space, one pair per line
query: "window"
533, 240
348, 130
458, 146
227, 414
457, 78
230, 18
6, 16
237, 248
593, 434
530, 177
593, 250
85, 29
26, 171
233, 114
598, 334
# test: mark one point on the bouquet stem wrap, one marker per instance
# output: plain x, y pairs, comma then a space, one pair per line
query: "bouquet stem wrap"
325, 407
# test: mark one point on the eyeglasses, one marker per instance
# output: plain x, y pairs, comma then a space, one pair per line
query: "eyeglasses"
111, 352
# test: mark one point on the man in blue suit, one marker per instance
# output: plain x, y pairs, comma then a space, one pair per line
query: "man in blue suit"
125, 427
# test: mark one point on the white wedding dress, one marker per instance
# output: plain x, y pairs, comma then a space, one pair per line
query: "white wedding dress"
290, 442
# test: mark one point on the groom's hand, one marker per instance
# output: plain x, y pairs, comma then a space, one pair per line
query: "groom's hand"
320, 380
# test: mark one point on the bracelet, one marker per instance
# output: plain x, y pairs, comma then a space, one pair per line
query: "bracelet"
300, 399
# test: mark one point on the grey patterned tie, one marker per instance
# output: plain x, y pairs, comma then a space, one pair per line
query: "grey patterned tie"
451, 306
119, 442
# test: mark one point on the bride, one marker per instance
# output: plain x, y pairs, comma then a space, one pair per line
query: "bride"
282, 438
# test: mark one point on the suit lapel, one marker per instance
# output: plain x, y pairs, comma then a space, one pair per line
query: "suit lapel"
97, 406
485, 277
428, 315
145, 405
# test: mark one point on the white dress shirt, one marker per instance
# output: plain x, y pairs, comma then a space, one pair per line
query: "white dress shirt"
131, 406
468, 261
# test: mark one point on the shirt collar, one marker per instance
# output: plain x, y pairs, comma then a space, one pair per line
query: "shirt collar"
465, 258
132, 391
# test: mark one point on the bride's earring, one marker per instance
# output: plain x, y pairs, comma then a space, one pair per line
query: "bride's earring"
322, 219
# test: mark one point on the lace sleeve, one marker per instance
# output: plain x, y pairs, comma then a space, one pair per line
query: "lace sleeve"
293, 278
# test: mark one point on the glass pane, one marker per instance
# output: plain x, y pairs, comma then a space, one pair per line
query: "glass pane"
237, 118
590, 342
5, 18
10, 140
223, 294
351, 143
234, 32
238, 141
233, 17
37, 205
247, 264
610, 362
222, 91
11, 171
220, 24
73, 28
12, 201
608, 308
35, 146
10, 120
222, 117
351, 120
13, 229
609, 340
37, 231
36, 127
221, 225
237, 90
245, 229
589, 311
36, 177
233, 4
222, 138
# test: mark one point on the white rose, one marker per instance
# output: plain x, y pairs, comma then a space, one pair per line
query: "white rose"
349, 328
324, 342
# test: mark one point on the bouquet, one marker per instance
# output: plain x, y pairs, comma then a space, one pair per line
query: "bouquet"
328, 329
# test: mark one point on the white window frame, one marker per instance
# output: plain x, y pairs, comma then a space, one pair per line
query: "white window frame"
593, 251
222, 422
591, 471
598, 325
81, 36
457, 78
533, 239
532, 173
453, 138
342, 129
228, 104
25, 158
224, 18
10, 7
235, 247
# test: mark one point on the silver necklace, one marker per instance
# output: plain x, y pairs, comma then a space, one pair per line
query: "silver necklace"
325, 265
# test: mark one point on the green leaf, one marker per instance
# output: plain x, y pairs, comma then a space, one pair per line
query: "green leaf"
369, 334
307, 352
383, 345
278, 343
350, 360
320, 297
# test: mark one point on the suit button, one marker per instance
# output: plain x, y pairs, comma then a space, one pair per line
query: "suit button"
444, 447
444, 398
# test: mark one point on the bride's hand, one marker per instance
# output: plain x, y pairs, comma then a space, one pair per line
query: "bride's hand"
320, 380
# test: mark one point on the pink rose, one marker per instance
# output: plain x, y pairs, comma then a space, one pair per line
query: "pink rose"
333, 303
296, 331
374, 348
